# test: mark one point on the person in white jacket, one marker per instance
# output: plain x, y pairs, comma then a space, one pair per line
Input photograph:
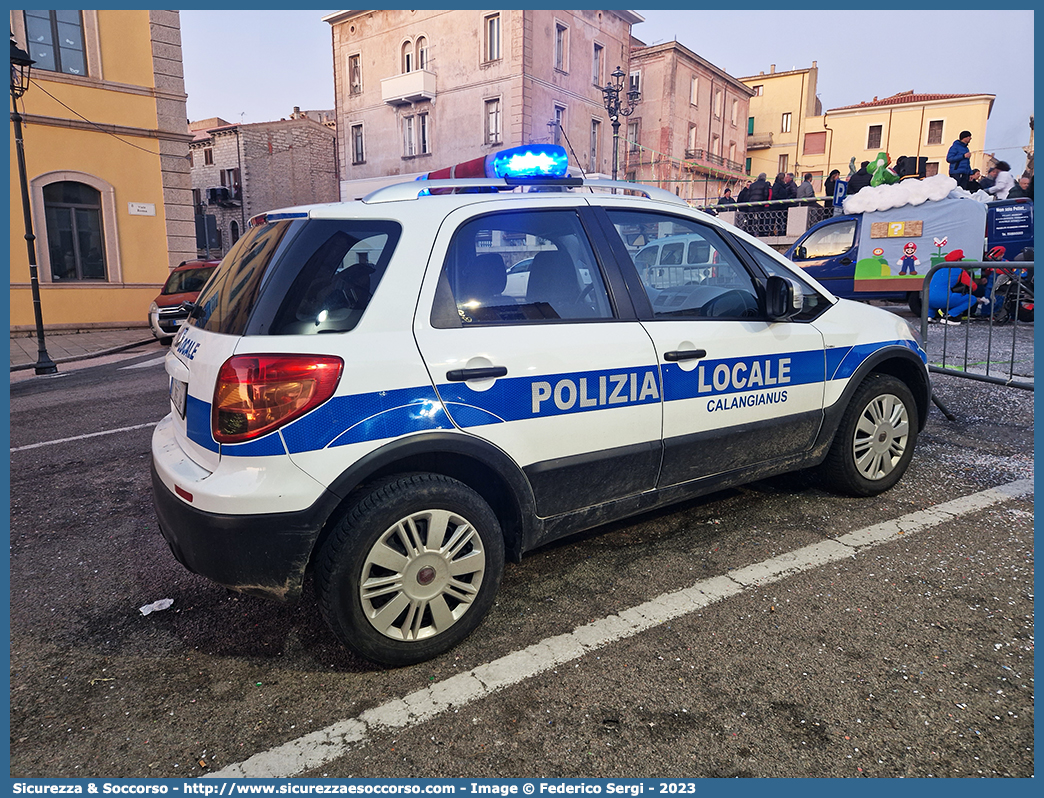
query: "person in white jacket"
1003, 182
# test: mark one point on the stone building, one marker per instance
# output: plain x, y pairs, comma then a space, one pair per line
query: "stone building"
241, 170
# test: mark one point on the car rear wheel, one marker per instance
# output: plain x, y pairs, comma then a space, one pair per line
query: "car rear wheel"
411, 569
875, 441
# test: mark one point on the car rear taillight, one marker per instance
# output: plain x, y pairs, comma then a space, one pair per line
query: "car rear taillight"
257, 394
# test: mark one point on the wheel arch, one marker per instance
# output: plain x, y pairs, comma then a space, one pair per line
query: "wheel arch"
478, 464
904, 365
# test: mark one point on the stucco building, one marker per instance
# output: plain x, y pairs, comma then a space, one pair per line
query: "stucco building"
418, 91
242, 170
688, 134
788, 131
105, 148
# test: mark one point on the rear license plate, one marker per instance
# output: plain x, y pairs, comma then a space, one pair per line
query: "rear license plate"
178, 393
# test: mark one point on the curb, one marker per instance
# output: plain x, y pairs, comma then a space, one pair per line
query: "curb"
74, 358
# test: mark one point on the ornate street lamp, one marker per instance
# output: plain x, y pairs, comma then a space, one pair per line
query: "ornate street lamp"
21, 64
611, 98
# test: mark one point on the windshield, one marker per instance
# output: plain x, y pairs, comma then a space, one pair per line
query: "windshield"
188, 280
830, 240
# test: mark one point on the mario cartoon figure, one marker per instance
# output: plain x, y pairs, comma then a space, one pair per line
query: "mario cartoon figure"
908, 263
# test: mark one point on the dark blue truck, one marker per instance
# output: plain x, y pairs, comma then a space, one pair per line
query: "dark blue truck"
885, 254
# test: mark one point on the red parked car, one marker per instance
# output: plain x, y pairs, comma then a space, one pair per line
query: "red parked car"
166, 312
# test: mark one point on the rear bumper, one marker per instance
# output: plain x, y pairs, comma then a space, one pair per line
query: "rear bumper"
264, 555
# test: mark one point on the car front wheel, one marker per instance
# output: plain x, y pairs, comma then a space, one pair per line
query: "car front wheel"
411, 569
875, 441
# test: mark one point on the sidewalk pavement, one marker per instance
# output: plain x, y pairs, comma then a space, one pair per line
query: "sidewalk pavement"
68, 347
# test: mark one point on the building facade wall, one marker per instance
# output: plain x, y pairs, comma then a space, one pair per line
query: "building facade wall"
905, 130
840, 138
132, 151
778, 94
281, 164
691, 125
525, 79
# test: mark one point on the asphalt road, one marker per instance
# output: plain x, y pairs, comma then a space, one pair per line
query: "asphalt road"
912, 657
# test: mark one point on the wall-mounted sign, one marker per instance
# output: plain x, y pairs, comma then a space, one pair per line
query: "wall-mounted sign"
141, 209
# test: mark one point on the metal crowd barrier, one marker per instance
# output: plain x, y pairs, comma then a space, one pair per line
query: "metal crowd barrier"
771, 218
988, 338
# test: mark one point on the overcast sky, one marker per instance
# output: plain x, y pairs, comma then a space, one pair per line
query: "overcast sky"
255, 66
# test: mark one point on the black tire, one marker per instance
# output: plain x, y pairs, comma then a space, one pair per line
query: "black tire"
388, 596
913, 300
875, 441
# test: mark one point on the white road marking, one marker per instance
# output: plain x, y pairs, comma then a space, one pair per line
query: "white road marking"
323, 746
82, 437
154, 362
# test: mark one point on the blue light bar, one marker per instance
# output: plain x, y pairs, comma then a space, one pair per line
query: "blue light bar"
529, 161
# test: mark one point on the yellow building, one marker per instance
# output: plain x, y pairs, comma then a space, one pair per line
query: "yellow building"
782, 104
789, 132
106, 145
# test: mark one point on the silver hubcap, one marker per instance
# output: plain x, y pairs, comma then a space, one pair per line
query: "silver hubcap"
881, 436
422, 575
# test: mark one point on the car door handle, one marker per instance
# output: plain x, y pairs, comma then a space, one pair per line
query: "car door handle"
461, 375
684, 354
846, 261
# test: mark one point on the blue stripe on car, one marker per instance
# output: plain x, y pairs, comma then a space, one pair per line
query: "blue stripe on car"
344, 420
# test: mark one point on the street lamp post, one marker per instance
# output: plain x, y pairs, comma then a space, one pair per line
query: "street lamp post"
611, 99
21, 64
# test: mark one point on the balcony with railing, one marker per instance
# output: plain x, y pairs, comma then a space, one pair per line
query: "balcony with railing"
700, 160
409, 87
759, 141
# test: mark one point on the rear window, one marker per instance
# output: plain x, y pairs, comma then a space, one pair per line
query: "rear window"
188, 280
298, 277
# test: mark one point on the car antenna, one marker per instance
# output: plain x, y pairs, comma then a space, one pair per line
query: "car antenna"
551, 125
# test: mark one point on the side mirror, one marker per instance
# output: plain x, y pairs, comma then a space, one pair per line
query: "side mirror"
800, 254
782, 298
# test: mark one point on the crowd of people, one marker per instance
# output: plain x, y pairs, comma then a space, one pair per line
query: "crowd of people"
998, 182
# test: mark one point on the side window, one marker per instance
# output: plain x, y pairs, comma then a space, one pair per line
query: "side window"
521, 267
834, 239
812, 303
712, 282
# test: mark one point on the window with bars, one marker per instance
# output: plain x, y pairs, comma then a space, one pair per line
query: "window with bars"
873, 137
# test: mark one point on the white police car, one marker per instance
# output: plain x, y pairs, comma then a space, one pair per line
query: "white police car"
355, 393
